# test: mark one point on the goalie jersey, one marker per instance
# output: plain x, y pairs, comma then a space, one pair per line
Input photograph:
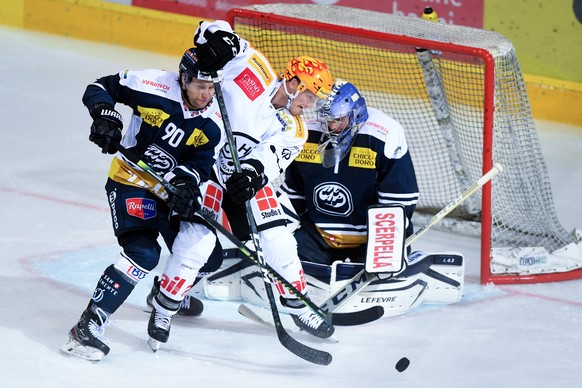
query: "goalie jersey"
376, 170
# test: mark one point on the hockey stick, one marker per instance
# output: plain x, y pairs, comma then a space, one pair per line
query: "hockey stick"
310, 354
342, 319
250, 314
303, 351
363, 278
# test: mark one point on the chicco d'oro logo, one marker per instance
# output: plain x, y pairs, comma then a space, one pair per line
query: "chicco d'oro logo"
152, 116
333, 199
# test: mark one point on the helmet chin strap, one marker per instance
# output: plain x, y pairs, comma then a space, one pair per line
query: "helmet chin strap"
290, 97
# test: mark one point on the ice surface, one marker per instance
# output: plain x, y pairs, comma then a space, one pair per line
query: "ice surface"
56, 239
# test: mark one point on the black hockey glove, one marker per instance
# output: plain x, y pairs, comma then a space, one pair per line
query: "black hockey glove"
106, 127
242, 186
186, 200
220, 47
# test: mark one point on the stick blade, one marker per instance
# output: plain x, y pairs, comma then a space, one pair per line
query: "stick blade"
315, 356
358, 317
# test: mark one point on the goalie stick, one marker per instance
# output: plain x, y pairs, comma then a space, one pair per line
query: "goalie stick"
363, 278
303, 351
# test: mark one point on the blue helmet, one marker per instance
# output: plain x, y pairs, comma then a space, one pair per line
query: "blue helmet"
344, 101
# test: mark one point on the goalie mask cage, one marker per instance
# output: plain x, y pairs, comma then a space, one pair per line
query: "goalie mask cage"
460, 95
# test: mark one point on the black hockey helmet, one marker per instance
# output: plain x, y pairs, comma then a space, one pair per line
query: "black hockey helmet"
189, 66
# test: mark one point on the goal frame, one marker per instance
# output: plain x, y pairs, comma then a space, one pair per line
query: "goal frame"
488, 126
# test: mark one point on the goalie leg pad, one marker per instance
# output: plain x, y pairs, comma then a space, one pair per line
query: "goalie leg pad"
445, 278
225, 284
429, 278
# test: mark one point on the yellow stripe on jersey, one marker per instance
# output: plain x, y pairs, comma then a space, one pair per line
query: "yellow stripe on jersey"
197, 138
362, 158
300, 132
340, 241
152, 116
309, 154
263, 68
121, 172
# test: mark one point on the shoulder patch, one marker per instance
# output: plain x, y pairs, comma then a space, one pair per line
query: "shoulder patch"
152, 116
362, 157
249, 84
285, 119
197, 138
309, 154
291, 123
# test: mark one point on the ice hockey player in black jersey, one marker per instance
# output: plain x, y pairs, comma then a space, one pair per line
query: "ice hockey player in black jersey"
355, 157
177, 129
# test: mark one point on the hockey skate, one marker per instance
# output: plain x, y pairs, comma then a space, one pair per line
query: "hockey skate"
86, 338
308, 320
190, 306
158, 328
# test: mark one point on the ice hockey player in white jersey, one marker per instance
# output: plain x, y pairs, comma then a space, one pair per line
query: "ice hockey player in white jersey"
265, 114
177, 129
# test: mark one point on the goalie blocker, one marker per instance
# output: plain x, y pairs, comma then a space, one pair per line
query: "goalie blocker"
428, 278
386, 230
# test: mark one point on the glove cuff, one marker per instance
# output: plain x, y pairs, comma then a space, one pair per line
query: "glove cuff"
181, 172
252, 165
95, 110
259, 179
106, 111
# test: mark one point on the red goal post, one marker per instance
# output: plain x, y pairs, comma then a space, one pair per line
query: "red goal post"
460, 95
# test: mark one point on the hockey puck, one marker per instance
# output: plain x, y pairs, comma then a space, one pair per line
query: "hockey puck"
402, 364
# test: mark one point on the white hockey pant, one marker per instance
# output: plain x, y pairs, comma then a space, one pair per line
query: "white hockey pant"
191, 249
280, 252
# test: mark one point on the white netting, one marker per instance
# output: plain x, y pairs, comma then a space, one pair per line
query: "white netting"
439, 97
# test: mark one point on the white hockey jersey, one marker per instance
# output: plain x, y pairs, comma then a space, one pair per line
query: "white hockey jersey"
272, 136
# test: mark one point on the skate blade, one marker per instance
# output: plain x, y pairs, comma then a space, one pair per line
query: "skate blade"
154, 344
74, 349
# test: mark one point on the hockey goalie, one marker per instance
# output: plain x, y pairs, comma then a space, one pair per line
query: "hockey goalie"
349, 195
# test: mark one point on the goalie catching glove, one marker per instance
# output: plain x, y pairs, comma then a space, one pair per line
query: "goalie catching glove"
215, 47
106, 128
242, 186
185, 200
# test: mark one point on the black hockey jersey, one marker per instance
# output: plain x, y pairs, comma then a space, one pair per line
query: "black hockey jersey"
163, 132
377, 170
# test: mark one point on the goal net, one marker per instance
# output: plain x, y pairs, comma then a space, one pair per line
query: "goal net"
460, 95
